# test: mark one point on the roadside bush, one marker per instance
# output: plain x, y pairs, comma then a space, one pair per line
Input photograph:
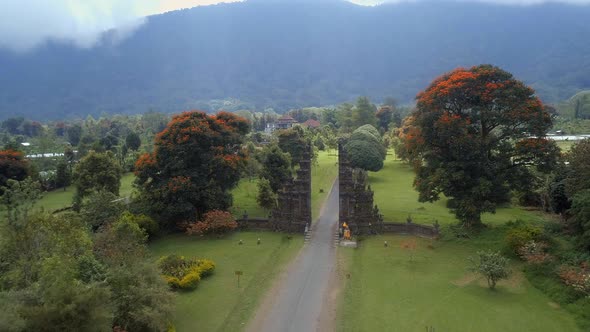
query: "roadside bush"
214, 222
182, 273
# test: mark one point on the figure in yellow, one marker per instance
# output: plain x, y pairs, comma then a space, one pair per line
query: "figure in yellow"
347, 234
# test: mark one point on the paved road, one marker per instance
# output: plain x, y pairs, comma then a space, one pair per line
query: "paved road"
298, 299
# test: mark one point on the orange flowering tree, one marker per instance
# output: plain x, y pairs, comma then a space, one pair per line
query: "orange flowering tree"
477, 133
13, 166
196, 161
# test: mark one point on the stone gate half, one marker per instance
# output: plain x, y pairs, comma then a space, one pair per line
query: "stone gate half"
293, 211
356, 198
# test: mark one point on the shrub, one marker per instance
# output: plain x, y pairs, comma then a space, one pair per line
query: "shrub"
149, 225
191, 279
214, 222
182, 273
534, 252
206, 267
519, 236
576, 277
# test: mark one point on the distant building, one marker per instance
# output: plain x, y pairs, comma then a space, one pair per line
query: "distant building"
312, 124
285, 122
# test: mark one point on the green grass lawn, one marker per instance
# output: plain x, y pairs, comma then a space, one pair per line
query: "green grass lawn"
397, 199
387, 292
59, 199
218, 304
565, 145
244, 199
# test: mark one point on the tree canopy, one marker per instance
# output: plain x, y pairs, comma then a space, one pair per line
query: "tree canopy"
196, 161
365, 149
475, 130
96, 172
13, 166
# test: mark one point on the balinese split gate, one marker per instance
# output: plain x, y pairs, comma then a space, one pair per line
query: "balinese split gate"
356, 204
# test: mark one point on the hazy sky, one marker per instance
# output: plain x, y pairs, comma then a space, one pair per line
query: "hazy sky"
25, 24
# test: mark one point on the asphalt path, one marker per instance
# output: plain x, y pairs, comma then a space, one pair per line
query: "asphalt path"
298, 299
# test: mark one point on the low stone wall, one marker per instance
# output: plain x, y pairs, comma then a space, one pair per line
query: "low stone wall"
411, 229
264, 224
254, 224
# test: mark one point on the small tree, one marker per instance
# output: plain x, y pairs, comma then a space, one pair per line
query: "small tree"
100, 208
492, 265
63, 177
132, 141
96, 172
266, 198
276, 167
581, 217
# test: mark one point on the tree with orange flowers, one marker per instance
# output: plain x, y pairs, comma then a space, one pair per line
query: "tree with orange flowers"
196, 162
477, 133
13, 166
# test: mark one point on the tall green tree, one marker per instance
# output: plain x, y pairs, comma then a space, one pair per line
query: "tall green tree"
293, 142
276, 167
196, 162
578, 177
133, 141
96, 172
364, 113
141, 297
265, 198
41, 258
63, 177
476, 130
365, 149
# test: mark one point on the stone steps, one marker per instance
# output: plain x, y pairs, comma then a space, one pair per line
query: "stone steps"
307, 237
336, 239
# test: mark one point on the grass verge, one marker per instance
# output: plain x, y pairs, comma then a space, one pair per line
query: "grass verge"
218, 304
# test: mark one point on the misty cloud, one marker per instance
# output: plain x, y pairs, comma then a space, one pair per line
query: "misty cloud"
25, 24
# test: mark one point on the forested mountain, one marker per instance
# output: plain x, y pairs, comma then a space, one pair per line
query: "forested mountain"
297, 53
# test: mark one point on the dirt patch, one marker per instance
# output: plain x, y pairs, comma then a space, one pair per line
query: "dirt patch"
466, 279
554, 305
515, 282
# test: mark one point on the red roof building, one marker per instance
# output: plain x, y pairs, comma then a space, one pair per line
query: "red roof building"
311, 123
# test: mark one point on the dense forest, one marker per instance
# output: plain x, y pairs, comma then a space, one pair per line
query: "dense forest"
283, 55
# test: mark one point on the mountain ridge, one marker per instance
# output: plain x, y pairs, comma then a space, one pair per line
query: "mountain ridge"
294, 54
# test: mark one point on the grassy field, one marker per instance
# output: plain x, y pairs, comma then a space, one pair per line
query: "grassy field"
218, 304
59, 199
388, 292
244, 198
397, 200
565, 145
324, 173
